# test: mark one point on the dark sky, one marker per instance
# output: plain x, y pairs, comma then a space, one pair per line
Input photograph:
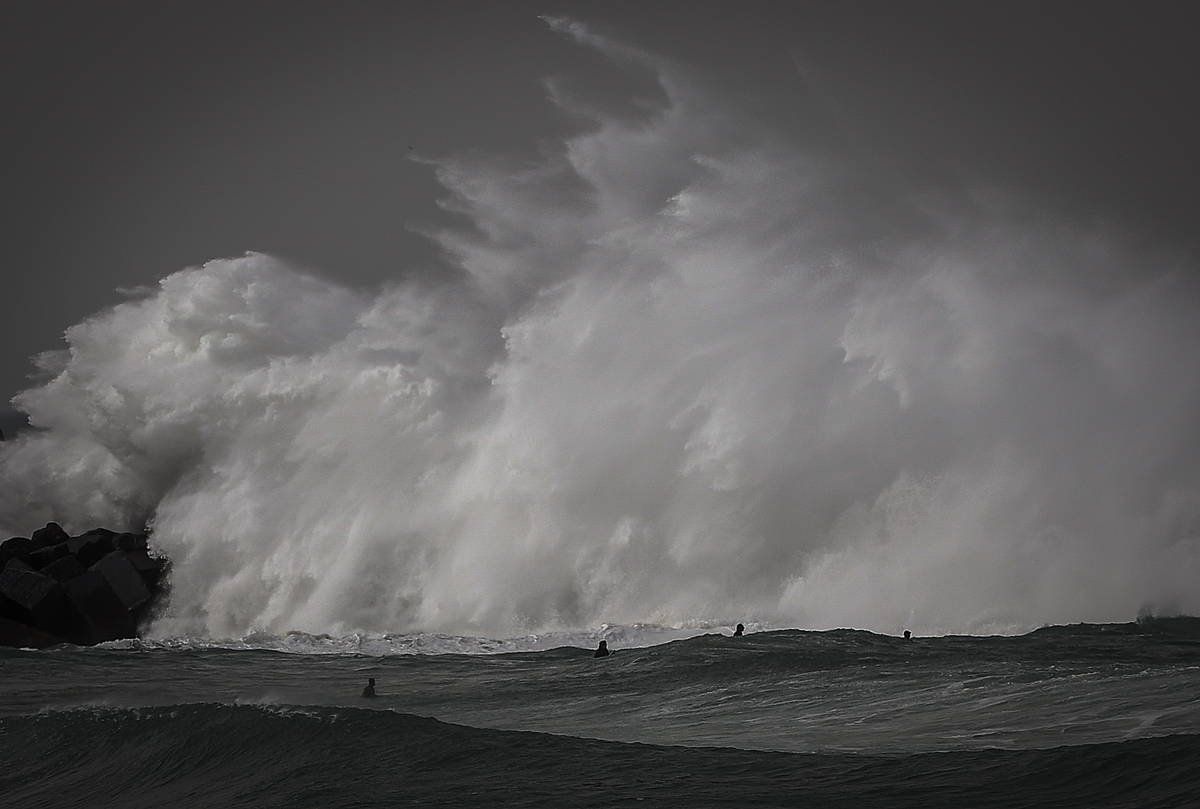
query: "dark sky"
141, 138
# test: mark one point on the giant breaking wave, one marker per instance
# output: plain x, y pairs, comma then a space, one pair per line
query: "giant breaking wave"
688, 370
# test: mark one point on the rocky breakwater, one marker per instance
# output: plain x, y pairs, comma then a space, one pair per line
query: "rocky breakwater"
56, 588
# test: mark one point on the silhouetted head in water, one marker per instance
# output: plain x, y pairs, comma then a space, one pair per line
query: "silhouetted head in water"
907, 635
602, 650
369, 691
737, 633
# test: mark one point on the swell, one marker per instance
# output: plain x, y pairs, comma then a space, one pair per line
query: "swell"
1149, 639
805, 692
240, 755
1165, 641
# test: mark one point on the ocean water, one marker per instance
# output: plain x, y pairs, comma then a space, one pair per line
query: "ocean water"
1086, 715
683, 366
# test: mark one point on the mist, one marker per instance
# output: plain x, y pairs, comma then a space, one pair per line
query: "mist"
686, 369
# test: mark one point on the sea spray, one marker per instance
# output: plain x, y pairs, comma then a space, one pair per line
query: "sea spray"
684, 369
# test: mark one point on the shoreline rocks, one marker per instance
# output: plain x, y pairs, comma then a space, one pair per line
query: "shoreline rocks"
86, 589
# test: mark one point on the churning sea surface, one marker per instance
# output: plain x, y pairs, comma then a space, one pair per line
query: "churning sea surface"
1080, 716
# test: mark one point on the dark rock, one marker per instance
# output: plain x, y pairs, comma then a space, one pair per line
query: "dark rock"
91, 547
8, 609
17, 564
11, 609
86, 589
15, 547
130, 542
150, 568
52, 534
63, 569
20, 636
124, 580
24, 586
39, 598
44, 556
104, 616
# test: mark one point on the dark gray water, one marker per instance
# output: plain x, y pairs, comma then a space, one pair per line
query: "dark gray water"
1088, 715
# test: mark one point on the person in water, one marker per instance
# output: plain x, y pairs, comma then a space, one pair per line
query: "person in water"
907, 635
737, 633
369, 691
602, 650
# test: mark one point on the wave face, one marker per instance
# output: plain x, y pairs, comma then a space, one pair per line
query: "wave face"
1064, 716
215, 755
688, 370
837, 691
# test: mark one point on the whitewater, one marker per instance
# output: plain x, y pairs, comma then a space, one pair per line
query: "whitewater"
682, 369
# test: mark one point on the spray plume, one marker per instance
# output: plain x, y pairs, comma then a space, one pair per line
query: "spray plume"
689, 370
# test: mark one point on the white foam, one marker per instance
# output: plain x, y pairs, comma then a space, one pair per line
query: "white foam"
425, 643
691, 370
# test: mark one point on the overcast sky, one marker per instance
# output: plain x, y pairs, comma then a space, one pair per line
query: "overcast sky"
141, 138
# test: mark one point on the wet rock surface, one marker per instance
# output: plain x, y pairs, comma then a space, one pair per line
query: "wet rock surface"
86, 589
